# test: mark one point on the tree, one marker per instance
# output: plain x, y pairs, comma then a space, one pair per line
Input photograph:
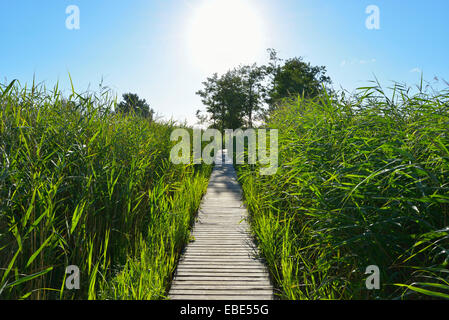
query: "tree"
252, 78
238, 97
132, 103
233, 99
294, 77
224, 99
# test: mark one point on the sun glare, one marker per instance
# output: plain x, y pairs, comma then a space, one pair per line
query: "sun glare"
225, 33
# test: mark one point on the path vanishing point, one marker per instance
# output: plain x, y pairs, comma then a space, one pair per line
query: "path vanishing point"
221, 262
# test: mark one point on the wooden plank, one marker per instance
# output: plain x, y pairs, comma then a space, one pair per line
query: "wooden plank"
253, 256
232, 256
223, 195
217, 193
218, 211
204, 266
221, 297
238, 222
242, 228
199, 235
223, 257
217, 248
205, 239
223, 215
242, 291
218, 273
230, 264
218, 205
227, 186
218, 259
221, 261
229, 203
263, 279
212, 283
222, 233
224, 251
220, 246
214, 257
252, 268
229, 222
214, 262
213, 242
247, 287
215, 269
226, 220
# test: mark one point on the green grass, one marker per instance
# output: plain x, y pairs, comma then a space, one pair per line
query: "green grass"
363, 180
81, 185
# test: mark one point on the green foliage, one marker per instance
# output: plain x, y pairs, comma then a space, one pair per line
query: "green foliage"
238, 97
224, 97
82, 185
252, 77
296, 77
362, 181
132, 103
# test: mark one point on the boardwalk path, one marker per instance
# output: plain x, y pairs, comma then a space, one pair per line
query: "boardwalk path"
220, 262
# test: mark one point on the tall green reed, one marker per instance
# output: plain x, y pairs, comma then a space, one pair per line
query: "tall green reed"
81, 185
363, 180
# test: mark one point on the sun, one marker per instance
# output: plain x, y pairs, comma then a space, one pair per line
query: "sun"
225, 33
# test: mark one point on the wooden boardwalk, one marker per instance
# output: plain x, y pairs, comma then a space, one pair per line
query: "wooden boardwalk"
220, 263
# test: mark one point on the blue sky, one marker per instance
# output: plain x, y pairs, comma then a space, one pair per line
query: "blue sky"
146, 46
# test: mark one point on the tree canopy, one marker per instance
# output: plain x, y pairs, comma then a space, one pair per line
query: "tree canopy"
298, 77
132, 103
224, 97
242, 95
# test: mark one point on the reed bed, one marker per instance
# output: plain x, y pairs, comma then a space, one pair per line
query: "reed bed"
363, 180
82, 185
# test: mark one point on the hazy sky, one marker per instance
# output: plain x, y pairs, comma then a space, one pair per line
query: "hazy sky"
164, 49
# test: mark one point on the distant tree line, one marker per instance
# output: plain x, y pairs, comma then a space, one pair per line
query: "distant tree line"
247, 93
131, 103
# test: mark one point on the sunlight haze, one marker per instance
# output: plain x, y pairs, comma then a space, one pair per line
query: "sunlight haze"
222, 34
